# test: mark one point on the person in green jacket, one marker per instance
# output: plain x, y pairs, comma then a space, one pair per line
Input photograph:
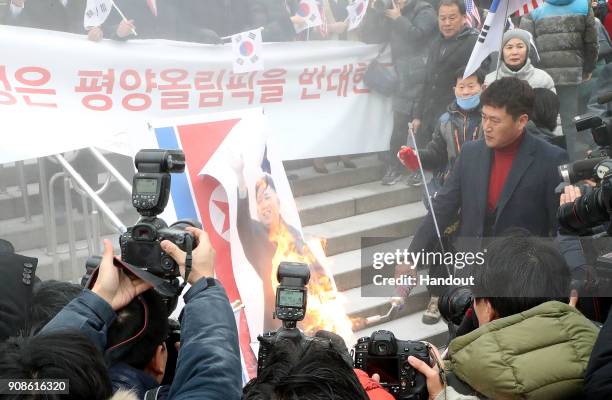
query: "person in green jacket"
528, 345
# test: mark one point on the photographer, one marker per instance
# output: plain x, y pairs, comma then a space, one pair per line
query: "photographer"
208, 363
528, 345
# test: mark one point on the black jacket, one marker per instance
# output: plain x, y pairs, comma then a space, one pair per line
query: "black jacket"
598, 377
126, 377
274, 17
225, 17
51, 15
528, 199
445, 57
410, 37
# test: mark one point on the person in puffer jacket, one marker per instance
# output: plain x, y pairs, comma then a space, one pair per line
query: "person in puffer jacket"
528, 345
566, 37
516, 63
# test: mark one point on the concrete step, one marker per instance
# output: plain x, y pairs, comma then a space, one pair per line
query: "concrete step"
345, 234
354, 200
12, 203
368, 169
65, 270
32, 235
347, 267
411, 327
292, 165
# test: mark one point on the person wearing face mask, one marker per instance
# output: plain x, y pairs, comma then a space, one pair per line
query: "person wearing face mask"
460, 124
516, 62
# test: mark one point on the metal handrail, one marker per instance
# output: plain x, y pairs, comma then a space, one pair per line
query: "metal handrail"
100, 204
122, 181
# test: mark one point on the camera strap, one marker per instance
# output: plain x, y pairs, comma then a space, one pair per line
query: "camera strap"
188, 259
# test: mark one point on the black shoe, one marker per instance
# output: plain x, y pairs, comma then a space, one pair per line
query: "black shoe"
392, 176
414, 179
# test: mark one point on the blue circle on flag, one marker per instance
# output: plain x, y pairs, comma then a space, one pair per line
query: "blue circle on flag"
246, 49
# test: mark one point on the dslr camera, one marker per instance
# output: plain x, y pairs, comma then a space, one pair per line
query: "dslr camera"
594, 207
383, 354
290, 308
140, 244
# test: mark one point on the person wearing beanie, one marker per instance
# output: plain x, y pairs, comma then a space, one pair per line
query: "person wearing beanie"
515, 62
566, 34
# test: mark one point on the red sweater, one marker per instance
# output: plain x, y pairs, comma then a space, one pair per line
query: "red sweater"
500, 169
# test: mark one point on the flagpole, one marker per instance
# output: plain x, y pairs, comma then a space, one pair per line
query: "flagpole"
123, 16
501, 42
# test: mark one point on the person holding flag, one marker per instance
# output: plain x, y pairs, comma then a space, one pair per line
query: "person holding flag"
278, 18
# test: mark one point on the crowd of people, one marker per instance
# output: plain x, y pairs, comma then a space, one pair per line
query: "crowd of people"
493, 141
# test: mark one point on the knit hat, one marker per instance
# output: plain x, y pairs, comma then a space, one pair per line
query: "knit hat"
526, 37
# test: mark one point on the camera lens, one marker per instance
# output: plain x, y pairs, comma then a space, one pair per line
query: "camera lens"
586, 212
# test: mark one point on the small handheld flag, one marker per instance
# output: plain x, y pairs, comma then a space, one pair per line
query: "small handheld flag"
309, 10
356, 12
96, 12
247, 47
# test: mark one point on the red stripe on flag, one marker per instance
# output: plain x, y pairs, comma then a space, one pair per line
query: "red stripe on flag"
200, 141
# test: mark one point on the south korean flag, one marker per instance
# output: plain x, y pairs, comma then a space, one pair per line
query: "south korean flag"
247, 47
309, 10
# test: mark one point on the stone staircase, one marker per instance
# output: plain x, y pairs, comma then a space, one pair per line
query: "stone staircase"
347, 205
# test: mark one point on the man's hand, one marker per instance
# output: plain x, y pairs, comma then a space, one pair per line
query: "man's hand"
298, 22
573, 300
95, 34
416, 124
408, 158
125, 28
338, 27
203, 256
432, 374
393, 13
114, 285
587, 77
570, 194
18, 3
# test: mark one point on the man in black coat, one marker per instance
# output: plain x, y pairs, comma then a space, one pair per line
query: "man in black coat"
276, 17
55, 15
598, 376
506, 179
449, 52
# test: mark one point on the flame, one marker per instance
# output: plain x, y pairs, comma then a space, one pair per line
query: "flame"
325, 307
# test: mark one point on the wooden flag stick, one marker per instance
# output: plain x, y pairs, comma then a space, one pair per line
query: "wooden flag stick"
123, 16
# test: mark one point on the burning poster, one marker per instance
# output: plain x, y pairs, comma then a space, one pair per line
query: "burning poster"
236, 185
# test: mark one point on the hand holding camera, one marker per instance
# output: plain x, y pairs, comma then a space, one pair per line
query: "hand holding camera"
203, 256
114, 285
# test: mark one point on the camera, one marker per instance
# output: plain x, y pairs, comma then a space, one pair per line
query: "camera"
454, 303
290, 307
382, 354
140, 244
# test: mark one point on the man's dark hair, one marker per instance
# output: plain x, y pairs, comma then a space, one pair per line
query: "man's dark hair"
48, 299
460, 5
314, 371
545, 109
513, 94
521, 272
58, 355
264, 182
479, 74
129, 340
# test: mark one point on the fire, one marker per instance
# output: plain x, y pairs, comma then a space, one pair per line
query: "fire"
325, 309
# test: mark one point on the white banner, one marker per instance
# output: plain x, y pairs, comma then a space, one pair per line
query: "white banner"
60, 92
